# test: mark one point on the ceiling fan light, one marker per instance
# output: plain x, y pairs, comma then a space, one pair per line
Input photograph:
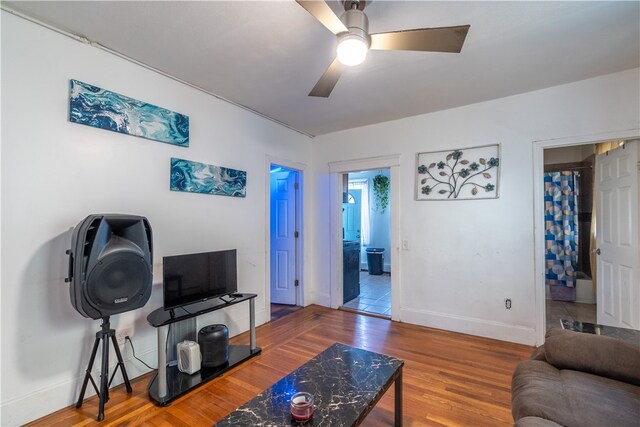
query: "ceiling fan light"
352, 50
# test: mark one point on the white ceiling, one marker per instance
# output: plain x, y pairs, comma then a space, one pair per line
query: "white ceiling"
267, 55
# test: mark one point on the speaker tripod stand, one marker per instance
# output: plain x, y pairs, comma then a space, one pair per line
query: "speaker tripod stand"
103, 394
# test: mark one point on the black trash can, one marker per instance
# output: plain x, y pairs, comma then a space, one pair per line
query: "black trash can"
375, 259
214, 345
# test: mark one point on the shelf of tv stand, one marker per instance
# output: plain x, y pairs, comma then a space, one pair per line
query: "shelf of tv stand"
177, 383
161, 317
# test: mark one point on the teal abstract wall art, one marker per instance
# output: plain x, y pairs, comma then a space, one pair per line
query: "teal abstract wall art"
93, 106
197, 177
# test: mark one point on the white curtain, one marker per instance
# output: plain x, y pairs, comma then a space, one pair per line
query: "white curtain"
365, 229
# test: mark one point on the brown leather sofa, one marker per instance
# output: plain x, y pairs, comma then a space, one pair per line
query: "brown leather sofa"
578, 380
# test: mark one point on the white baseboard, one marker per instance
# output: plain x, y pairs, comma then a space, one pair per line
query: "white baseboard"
43, 402
470, 325
323, 299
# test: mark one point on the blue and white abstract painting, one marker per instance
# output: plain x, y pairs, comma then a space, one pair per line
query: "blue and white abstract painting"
93, 106
197, 177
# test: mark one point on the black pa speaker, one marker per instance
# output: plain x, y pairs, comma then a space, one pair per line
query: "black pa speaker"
110, 264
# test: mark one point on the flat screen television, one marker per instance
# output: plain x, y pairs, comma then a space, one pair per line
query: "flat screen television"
198, 277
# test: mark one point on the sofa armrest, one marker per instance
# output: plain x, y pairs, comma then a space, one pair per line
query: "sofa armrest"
596, 354
539, 354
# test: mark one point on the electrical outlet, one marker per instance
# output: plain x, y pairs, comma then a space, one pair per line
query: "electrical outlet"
121, 334
507, 303
405, 245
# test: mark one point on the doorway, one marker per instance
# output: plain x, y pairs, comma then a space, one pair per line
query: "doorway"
285, 236
623, 293
570, 295
366, 242
335, 186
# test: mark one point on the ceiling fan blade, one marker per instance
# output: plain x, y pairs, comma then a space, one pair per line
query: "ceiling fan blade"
328, 80
442, 39
323, 13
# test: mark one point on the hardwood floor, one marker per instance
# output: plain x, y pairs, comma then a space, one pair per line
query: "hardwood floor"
281, 310
450, 379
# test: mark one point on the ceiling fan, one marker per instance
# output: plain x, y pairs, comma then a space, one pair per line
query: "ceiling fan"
354, 41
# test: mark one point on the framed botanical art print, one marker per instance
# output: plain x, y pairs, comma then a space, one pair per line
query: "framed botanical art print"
460, 174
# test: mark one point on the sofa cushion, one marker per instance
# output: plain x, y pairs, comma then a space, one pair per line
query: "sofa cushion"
536, 391
600, 355
572, 398
601, 401
535, 422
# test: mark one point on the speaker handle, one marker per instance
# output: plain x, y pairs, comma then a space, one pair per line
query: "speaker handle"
68, 279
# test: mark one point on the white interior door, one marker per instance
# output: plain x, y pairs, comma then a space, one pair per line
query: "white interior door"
284, 186
618, 254
351, 216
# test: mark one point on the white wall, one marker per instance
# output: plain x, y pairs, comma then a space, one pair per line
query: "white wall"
466, 257
55, 173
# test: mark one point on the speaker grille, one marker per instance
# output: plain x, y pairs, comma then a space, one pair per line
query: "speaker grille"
119, 279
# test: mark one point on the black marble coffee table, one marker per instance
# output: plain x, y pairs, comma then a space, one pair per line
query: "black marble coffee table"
346, 383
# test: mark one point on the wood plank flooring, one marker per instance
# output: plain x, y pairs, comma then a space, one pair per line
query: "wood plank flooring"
281, 310
450, 379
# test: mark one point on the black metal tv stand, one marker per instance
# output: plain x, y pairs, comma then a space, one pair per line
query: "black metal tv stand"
169, 383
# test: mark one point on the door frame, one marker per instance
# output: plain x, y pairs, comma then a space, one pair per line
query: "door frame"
538, 208
336, 169
300, 246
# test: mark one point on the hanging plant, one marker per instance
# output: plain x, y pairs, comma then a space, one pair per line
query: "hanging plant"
381, 192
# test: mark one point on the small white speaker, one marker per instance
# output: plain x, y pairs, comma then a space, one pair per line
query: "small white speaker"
189, 358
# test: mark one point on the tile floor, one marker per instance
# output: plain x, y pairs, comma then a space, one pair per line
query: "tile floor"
375, 294
556, 310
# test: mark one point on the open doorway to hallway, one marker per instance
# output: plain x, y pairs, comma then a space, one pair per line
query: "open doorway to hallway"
366, 242
285, 239
569, 186
590, 235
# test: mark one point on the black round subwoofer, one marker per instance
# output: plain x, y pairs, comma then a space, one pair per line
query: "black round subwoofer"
214, 345
110, 265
